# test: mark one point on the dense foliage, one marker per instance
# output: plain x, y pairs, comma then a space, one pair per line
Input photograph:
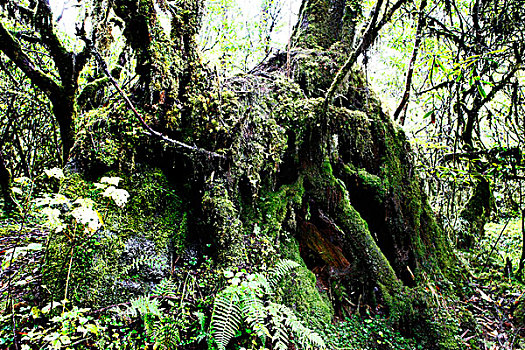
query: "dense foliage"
179, 174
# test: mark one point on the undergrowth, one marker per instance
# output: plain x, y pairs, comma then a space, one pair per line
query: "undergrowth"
369, 333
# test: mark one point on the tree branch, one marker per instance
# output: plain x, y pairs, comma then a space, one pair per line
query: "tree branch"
144, 125
12, 49
368, 38
44, 24
410, 72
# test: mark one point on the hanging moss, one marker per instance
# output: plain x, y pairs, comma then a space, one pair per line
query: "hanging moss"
277, 208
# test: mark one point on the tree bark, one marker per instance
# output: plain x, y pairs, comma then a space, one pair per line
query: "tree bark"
393, 240
5, 184
69, 64
330, 186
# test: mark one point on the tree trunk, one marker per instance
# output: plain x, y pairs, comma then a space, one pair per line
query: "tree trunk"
5, 184
331, 186
476, 214
350, 186
64, 110
323, 23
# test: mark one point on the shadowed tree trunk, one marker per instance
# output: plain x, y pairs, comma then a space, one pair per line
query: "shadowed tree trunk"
476, 214
331, 185
5, 184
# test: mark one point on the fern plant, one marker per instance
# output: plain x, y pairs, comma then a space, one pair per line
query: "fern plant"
248, 299
143, 306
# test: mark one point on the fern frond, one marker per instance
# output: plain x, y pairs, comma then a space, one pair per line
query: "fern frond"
149, 261
306, 337
166, 335
262, 284
142, 306
166, 287
254, 313
226, 317
280, 337
244, 301
280, 269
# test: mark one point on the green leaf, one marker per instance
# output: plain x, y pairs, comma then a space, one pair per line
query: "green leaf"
441, 65
428, 114
482, 91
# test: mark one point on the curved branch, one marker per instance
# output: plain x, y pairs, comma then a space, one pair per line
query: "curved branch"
143, 123
368, 38
12, 49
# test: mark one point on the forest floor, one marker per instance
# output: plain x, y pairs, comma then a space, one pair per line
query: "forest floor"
493, 293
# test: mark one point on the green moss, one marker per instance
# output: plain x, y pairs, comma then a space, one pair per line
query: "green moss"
98, 147
357, 240
370, 183
154, 210
476, 213
300, 291
320, 25
130, 251
276, 206
223, 218
89, 91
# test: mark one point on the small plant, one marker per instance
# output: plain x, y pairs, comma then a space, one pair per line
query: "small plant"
76, 221
162, 328
71, 227
248, 298
370, 333
68, 328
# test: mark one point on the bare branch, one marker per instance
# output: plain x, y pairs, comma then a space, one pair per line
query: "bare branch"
144, 125
368, 38
410, 72
12, 49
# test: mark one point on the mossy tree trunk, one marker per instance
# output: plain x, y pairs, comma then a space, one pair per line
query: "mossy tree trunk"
337, 179
476, 213
323, 23
331, 186
5, 184
61, 89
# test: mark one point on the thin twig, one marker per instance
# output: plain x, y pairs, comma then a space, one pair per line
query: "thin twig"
144, 125
494, 246
368, 38
68, 276
10, 295
408, 85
